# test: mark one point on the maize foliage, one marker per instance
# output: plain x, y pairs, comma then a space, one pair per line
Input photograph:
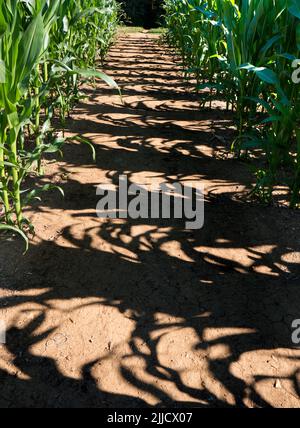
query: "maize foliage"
46, 48
247, 52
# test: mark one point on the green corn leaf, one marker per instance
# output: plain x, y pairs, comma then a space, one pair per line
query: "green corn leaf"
13, 120
30, 48
294, 8
80, 139
98, 74
5, 227
2, 72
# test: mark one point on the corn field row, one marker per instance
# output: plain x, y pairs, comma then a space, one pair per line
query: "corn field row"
247, 53
46, 48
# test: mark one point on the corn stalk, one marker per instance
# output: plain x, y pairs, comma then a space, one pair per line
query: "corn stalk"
46, 48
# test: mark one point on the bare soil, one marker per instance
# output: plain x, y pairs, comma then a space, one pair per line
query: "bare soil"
131, 313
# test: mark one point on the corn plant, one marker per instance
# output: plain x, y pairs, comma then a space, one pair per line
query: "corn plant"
21, 48
243, 51
37, 73
280, 137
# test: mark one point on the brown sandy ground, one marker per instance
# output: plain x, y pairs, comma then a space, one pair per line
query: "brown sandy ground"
137, 313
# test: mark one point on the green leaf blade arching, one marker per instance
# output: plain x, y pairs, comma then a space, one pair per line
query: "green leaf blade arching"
30, 49
6, 227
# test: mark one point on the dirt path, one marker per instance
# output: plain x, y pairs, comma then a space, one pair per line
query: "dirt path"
131, 313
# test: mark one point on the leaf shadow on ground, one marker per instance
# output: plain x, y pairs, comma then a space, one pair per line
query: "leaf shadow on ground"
232, 283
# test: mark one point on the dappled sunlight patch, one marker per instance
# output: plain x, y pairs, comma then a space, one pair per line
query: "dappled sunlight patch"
292, 257
240, 259
137, 312
270, 373
178, 349
174, 249
219, 352
214, 334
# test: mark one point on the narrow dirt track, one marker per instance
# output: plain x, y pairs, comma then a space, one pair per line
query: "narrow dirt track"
133, 313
